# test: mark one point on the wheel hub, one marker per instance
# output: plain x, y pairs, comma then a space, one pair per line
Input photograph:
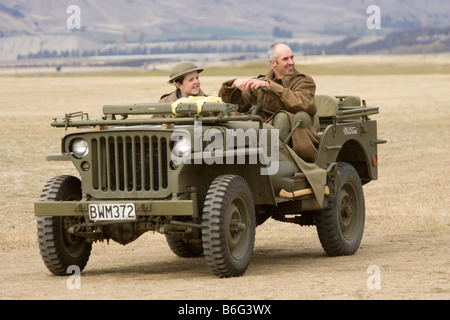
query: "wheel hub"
346, 208
348, 217
237, 230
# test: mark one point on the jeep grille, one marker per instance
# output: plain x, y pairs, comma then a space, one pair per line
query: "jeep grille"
128, 166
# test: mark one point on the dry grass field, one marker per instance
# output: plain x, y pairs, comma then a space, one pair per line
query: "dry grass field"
407, 209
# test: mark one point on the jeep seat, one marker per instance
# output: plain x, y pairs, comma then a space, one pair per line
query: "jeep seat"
349, 101
327, 108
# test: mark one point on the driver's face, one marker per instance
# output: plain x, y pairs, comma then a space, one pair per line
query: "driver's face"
190, 85
284, 66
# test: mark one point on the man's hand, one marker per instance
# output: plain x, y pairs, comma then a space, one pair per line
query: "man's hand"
249, 84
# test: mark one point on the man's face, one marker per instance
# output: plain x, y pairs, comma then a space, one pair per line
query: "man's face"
284, 66
191, 84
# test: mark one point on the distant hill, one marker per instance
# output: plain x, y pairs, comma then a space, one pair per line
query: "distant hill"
38, 28
173, 18
427, 40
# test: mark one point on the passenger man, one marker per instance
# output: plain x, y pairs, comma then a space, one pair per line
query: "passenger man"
295, 90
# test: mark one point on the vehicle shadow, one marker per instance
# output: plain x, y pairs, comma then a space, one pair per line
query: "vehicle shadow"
263, 260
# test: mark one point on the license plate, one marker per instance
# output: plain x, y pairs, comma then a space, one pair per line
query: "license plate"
112, 212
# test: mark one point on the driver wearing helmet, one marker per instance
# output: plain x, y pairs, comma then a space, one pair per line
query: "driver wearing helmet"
185, 77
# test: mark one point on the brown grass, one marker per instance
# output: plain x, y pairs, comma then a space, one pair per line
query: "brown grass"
407, 209
411, 194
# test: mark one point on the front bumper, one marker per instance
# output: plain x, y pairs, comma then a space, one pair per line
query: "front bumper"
143, 208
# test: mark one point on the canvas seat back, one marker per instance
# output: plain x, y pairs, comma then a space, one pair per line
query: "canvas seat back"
327, 108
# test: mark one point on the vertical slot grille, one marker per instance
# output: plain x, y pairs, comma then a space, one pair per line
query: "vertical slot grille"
129, 163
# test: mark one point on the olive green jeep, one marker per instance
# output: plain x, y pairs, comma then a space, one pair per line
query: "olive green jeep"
205, 177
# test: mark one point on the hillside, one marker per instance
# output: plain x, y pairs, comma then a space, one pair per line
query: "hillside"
39, 28
170, 18
426, 40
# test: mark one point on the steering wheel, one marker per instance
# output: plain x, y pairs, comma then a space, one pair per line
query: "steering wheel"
257, 107
281, 103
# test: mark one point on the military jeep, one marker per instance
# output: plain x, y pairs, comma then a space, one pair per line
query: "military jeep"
205, 177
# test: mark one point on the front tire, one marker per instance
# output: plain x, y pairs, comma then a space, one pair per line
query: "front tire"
340, 227
60, 249
228, 226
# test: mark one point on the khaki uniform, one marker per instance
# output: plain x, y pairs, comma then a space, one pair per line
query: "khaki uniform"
170, 98
173, 96
296, 92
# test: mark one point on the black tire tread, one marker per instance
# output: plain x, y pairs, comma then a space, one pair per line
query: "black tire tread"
49, 228
184, 249
326, 220
217, 255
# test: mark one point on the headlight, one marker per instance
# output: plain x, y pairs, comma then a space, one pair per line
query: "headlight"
182, 147
80, 148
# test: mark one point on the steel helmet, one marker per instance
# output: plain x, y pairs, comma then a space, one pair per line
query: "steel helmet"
182, 68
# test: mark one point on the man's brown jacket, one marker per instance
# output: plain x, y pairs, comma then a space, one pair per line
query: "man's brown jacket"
297, 94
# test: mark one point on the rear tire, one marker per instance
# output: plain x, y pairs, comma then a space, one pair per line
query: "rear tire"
184, 249
340, 227
228, 226
60, 249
